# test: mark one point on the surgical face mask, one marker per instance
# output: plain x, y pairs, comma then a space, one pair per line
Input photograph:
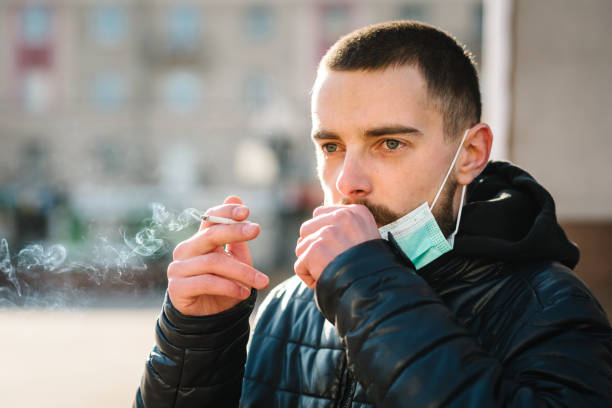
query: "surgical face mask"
418, 234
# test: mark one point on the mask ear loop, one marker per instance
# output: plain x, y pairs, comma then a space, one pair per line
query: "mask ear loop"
451, 237
450, 169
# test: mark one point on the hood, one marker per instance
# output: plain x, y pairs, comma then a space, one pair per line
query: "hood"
509, 216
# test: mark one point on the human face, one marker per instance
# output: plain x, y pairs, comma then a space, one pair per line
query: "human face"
380, 142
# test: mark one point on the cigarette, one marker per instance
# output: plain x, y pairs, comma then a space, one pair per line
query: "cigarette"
217, 220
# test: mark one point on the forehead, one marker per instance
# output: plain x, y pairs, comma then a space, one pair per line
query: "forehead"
369, 98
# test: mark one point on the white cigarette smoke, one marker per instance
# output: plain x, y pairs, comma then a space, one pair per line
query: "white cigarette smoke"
22, 276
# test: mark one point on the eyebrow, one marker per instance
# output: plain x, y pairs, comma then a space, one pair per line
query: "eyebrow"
392, 130
324, 134
374, 132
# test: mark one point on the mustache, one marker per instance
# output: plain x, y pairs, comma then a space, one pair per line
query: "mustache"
382, 214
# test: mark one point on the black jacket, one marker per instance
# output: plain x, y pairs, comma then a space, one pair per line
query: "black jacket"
499, 321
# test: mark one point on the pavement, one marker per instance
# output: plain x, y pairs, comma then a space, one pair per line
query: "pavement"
90, 358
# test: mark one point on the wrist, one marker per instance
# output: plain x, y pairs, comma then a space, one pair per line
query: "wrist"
188, 324
358, 262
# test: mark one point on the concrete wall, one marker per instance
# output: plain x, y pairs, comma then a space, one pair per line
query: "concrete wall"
561, 121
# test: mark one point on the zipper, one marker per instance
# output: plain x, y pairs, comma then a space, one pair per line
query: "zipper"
349, 391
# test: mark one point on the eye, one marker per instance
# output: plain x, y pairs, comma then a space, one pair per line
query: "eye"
392, 144
330, 147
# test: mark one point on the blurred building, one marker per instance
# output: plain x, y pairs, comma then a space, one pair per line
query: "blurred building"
561, 94
107, 106
110, 105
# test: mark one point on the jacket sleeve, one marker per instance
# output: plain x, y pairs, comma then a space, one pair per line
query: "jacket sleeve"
196, 361
405, 347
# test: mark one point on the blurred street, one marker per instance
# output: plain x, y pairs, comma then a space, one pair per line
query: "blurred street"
74, 358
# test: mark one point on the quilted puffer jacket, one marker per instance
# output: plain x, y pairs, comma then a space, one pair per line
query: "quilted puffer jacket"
499, 321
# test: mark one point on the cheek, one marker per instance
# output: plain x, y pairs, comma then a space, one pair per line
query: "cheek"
401, 186
327, 178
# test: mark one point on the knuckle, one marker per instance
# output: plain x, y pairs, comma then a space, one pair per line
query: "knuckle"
206, 263
171, 271
206, 281
297, 250
327, 232
341, 215
214, 209
179, 250
210, 259
303, 228
251, 278
207, 233
297, 266
172, 288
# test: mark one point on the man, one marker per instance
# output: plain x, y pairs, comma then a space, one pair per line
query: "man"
473, 306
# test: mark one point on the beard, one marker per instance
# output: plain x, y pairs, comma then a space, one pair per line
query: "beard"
442, 212
382, 214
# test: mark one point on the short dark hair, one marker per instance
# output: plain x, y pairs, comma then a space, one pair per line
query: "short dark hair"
447, 67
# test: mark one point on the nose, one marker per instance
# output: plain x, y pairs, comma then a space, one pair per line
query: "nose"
353, 181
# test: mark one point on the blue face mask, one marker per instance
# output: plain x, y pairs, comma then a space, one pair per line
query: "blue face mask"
418, 234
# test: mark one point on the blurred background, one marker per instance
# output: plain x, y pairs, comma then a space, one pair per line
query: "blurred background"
120, 120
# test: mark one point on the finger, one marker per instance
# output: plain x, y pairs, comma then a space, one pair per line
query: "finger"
240, 251
314, 260
328, 241
237, 212
301, 270
318, 222
219, 264
305, 242
207, 284
233, 200
213, 237
325, 209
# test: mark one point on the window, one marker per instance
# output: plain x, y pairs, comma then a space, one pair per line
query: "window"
257, 91
183, 27
260, 22
109, 25
181, 91
109, 90
36, 25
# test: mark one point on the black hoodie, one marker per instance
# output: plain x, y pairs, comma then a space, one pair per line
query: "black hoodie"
509, 216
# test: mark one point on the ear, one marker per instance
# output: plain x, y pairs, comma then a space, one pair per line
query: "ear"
475, 153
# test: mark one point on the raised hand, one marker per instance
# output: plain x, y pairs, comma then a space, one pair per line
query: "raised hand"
331, 231
206, 278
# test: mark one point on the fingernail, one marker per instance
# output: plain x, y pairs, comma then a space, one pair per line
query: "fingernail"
240, 212
245, 292
249, 229
261, 280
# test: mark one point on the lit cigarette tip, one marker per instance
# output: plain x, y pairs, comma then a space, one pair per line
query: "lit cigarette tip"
217, 220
